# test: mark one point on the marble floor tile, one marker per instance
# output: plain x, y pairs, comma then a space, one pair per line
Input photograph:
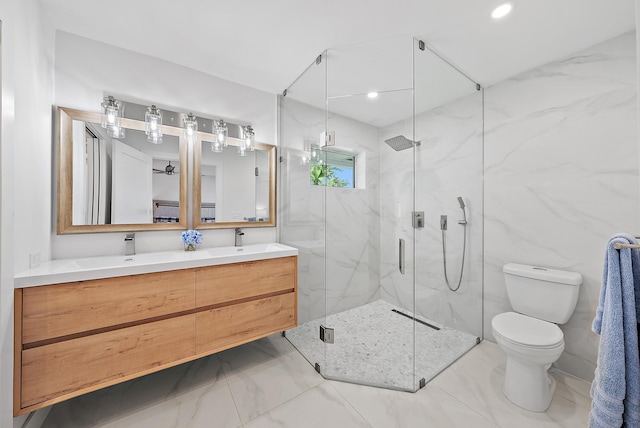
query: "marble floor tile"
254, 354
208, 406
429, 407
477, 379
170, 396
266, 374
267, 383
320, 407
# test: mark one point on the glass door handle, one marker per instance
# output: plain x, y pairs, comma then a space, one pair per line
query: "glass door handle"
401, 255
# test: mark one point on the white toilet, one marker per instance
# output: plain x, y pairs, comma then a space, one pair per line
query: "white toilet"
541, 298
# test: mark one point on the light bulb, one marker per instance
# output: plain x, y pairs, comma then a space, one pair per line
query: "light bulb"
153, 128
221, 132
248, 137
190, 127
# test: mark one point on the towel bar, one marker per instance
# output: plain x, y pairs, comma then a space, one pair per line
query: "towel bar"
618, 246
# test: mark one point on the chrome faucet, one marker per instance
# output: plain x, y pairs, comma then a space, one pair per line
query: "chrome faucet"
239, 234
130, 244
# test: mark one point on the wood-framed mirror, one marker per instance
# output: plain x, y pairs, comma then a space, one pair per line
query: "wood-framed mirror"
230, 190
108, 184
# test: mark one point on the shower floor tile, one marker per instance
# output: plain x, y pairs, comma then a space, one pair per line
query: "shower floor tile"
374, 345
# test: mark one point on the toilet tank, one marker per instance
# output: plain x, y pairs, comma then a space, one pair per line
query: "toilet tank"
543, 293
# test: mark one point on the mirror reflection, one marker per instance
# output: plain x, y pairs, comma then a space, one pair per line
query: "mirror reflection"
124, 180
233, 189
118, 184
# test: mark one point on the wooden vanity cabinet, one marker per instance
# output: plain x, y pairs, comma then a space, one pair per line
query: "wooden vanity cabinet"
78, 337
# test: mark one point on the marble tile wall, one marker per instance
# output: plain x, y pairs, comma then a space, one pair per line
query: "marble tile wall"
561, 176
350, 236
448, 164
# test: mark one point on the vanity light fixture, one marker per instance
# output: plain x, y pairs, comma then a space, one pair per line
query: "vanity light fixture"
190, 127
501, 10
248, 136
242, 148
221, 132
112, 111
153, 128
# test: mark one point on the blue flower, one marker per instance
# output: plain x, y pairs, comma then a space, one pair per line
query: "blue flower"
191, 236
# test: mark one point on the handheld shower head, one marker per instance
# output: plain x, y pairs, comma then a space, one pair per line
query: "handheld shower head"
461, 202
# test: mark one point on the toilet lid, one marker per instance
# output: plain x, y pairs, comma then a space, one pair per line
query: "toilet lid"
525, 330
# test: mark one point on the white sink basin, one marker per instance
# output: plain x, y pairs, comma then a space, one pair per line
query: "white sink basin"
266, 249
116, 261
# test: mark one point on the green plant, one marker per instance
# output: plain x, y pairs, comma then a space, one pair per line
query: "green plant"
325, 175
317, 173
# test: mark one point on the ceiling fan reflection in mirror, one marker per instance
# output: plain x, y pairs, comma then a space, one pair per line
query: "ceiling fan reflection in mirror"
168, 170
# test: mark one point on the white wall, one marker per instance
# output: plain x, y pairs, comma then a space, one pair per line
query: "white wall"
25, 151
86, 71
561, 177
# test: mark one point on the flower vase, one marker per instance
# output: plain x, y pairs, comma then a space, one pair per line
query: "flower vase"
189, 247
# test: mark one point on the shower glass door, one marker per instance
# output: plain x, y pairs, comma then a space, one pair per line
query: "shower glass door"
448, 123
369, 232
302, 217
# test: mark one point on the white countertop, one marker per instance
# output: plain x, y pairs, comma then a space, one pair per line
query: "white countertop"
82, 269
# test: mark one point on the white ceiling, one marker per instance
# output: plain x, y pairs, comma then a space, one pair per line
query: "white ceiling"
267, 44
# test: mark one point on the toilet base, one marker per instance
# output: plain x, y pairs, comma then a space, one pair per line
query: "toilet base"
528, 385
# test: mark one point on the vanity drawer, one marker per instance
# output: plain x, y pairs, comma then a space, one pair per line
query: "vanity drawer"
62, 368
225, 283
54, 311
233, 325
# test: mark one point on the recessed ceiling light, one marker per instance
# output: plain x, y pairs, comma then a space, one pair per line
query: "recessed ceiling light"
501, 11
372, 94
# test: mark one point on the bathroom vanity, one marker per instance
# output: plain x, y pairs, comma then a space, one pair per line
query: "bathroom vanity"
85, 324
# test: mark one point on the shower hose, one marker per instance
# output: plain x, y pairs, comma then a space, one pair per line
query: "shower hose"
444, 257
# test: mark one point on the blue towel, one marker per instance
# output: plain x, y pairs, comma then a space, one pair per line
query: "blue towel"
615, 390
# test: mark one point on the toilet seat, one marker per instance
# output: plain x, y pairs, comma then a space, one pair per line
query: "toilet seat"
527, 332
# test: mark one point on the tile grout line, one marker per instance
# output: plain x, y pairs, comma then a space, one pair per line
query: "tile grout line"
494, 423
226, 380
283, 403
346, 400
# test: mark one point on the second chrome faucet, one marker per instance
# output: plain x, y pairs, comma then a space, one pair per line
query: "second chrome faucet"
239, 234
130, 244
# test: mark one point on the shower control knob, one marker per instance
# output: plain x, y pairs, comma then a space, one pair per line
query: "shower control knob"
418, 219
443, 222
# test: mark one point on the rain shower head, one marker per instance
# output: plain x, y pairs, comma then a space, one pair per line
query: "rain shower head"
401, 143
461, 202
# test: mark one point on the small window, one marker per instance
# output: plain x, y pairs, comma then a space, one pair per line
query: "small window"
332, 169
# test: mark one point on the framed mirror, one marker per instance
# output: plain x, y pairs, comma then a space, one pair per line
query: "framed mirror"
108, 184
230, 190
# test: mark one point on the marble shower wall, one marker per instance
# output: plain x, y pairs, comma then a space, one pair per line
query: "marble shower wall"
351, 230
448, 164
561, 177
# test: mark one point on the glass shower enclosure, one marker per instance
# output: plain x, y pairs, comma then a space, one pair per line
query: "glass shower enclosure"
380, 189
